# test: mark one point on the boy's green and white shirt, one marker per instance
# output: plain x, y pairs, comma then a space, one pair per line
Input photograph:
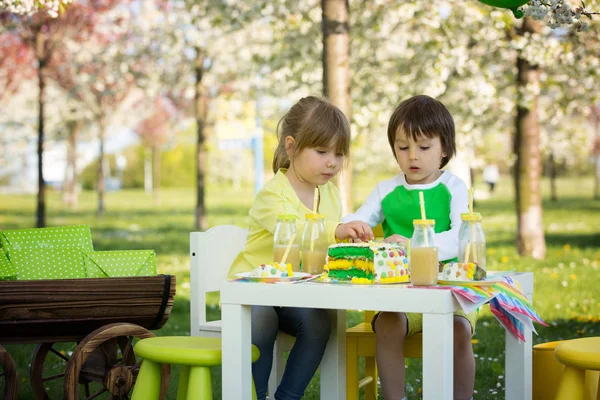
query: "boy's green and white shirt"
395, 204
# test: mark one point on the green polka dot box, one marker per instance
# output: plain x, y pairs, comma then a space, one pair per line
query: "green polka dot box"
66, 252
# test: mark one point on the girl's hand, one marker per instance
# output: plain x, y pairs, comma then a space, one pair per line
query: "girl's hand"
397, 239
354, 230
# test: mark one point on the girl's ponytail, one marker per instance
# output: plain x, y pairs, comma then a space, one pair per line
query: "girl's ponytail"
280, 158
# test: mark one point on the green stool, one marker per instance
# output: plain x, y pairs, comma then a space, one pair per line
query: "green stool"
194, 354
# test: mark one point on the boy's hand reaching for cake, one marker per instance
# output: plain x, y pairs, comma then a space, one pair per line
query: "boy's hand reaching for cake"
354, 230
397, 239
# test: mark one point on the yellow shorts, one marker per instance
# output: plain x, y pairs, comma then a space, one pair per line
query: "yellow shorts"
415, 321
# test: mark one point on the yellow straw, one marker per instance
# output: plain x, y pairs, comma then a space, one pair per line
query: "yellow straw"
285, 203
471, 201
288, 248
423, 217
422, 203
467, 250
471, 231
314, 227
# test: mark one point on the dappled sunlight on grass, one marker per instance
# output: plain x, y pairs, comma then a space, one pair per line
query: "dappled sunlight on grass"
565, 281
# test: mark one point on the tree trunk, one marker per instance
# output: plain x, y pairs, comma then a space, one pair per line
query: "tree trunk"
200, 111
74, 174
156, 172
336, 75
100, 183
596, 155
597, 179
41, 197
527, 169
70, 194
147, 170
552, 174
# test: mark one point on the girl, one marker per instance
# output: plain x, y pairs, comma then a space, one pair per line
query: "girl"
314, 137
422, 137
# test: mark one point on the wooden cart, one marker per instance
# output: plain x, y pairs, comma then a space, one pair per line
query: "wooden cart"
101, 317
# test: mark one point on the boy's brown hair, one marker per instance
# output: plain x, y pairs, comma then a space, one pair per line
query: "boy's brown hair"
312, 122
423, 116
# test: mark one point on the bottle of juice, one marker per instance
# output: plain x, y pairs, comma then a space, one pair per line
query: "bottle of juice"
286, 227
471, 243
314, 244
423, 258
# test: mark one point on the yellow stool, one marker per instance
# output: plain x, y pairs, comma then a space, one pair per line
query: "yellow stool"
577, 355
360, 342
194, 354
547, 371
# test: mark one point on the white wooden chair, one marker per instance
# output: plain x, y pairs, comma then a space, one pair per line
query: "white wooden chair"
211, 255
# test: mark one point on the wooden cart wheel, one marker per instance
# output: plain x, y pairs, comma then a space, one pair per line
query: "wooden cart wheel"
8, 375
49, 363
107, 356
55, 360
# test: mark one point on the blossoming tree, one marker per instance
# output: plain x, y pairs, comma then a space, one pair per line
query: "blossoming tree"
467, 55
42, 34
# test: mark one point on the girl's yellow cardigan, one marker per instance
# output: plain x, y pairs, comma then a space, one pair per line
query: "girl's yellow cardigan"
263, 219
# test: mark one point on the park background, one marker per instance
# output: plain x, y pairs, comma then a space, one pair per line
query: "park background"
147, 120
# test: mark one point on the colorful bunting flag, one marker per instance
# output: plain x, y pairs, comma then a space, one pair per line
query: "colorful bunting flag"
507, 302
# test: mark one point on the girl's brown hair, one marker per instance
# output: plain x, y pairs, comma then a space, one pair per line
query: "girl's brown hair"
312, 122
423, 116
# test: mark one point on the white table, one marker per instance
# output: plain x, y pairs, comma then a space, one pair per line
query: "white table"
437, 307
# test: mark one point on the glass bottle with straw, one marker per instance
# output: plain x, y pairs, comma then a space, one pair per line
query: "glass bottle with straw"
284, 231
471, 241
284, 257
423, 258
314, 240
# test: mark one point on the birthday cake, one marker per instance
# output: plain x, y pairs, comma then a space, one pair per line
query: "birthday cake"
275, 270
365, 263
463, 272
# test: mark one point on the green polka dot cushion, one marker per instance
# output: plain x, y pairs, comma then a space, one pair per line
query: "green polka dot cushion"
113, 264
48, 253
7, 271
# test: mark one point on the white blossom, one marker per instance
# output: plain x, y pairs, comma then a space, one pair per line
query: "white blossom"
557, 13
28, 7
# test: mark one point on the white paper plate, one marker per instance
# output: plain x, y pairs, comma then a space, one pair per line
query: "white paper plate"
273, 279
485, 282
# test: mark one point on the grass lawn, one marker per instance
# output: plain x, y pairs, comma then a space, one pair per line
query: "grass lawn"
566, 294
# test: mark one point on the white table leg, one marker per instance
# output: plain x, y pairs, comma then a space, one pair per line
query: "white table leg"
333, 365
237, 352
438, 353
518, 366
